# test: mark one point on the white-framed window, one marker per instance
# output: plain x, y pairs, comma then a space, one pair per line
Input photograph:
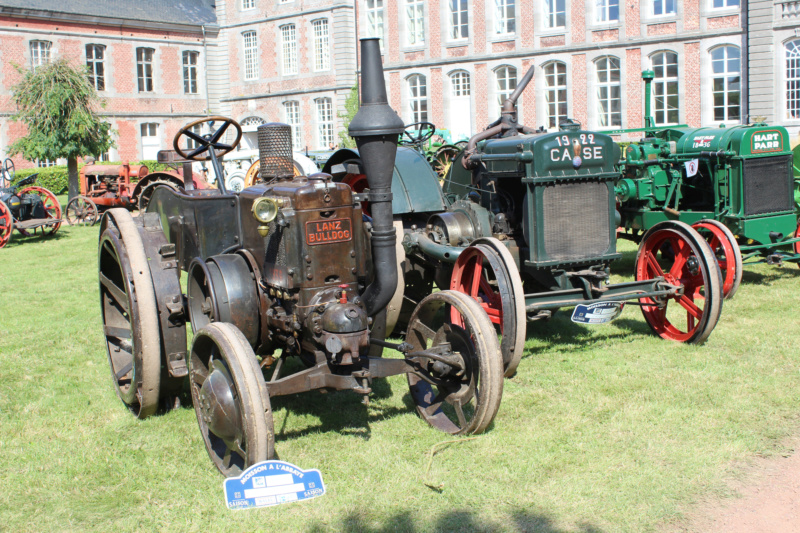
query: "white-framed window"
504, 17
322, 49
555, 14
191, 144
415, 22
324, 123
248, 4
665, 88
793, 79
375, 19
40, 53
250, 47
417, 97
190, 72
505, 81
609, 91
726, 65
607, 10
555, 77
459, 19
144, 69
150, 140
664, 7
44, 163
725, 3
289, 49
459, 83
291, 115
95, 57
252, 122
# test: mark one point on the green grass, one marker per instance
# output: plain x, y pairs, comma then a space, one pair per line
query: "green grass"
604, 428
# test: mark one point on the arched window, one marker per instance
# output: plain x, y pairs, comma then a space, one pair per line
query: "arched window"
665, 88
291, 115
459, 117
505, 81
252, 121
324, 123
459, 83
726, 64
793, 79
555, 78
609, 108
418, 97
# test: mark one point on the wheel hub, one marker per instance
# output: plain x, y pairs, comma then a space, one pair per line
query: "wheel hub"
218, 405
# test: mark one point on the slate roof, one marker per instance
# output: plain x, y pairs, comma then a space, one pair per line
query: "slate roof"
191, 12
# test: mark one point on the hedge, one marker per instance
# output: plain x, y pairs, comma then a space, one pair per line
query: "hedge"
56, 179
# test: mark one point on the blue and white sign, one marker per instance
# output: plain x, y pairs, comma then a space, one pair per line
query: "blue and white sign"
598, 313
272, 483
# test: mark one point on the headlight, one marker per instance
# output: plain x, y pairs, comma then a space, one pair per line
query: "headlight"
265, 209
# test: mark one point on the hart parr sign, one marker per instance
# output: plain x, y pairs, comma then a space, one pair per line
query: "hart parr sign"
766, 141
328, 231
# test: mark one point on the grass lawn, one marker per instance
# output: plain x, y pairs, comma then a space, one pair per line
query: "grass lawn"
604, 428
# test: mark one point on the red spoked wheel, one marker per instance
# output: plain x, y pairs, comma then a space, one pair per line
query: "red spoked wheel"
358, 183
6, 224
483, 272
51, 206
726, 249
797, 244
674, 251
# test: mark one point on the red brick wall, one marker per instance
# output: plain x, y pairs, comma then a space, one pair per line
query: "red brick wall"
578, 109
634, 89
691, 76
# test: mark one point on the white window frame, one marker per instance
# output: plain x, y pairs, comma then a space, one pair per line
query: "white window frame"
458, 20
324, 108
96, 65
792, 73
503, 23
460, 83
151, 133
552, 10
665, 7
505, 81
322, 45
40, 53
417, 87
248, 4
604, 11
556, 94
725, 4
250, 52
666, 84
375, 19
291, 115
190, 70
415, 22
607, 117
144, 69
288, 49
727, 79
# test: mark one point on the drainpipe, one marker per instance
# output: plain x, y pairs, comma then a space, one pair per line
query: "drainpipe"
205, 58
745, 98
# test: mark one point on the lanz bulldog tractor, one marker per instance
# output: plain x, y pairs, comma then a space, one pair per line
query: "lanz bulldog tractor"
289, 267
25, 206
531, 228
735, 185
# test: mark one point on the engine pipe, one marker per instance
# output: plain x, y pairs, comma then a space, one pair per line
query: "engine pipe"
376, 129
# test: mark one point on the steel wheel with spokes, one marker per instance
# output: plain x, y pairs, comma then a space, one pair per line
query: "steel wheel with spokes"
81, 210
483, 272
676, 252
130, 314
6, 224
795, 246
459, 390
51, 206
726, 249
230, 399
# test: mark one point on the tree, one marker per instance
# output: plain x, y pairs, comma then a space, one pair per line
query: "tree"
350, 110
58, 105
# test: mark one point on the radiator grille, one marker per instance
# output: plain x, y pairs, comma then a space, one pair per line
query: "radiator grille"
768, 185
576, 220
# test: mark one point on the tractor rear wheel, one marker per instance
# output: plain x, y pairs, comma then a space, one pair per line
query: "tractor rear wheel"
149, 189
463, 383
487, 273
726, 249
676, 252
6, 224
230, 399
51, 206
130, 314
796, 236
81, 210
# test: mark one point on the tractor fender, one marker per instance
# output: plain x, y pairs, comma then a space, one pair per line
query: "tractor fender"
172, 177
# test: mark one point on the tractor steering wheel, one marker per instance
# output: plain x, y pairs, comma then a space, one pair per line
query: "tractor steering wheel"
417, 136
8, 172
209, 140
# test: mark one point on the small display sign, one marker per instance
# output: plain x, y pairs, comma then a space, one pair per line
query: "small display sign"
272, 483
598, 313
766, 141
328, 231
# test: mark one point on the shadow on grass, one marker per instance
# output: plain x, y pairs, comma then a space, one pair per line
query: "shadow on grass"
455, 520
773, 274
17, 239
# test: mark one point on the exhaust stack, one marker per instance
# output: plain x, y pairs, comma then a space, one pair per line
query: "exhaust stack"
376, 128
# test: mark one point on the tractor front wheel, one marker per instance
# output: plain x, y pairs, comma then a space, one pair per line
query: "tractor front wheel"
6, 224
726, 249
81, 210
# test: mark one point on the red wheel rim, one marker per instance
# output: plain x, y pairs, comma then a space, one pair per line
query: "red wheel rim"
797, 236
6, 224
358, 183
51, 206
723, 251
469, 277
681, 270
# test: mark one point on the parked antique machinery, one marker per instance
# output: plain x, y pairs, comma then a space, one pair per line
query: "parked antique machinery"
734, 184
26, 207
532, 229
128, 186
290, 265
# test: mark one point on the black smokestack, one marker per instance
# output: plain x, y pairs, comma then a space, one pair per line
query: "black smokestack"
376, 128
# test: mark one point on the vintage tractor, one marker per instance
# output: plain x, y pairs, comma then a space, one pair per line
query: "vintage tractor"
25, 207
290, 267
129, 186
530, 228
734, 185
